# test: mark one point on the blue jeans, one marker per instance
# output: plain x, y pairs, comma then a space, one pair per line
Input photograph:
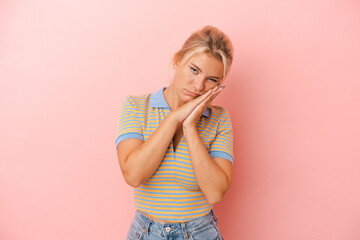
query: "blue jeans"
201, 228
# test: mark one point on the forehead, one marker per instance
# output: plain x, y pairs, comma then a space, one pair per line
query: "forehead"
206, 62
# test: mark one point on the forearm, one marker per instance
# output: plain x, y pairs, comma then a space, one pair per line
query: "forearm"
212, 180
145, 159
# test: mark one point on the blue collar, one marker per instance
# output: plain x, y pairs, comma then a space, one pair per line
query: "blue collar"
157, 99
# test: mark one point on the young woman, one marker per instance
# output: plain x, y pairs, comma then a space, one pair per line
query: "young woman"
176, 149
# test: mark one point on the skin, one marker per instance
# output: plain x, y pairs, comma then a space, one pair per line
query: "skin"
194, 86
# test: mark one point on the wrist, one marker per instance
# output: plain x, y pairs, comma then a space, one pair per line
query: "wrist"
188, 128
189, 131
173, 118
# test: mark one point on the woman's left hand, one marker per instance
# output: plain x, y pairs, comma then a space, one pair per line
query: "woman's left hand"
194, 116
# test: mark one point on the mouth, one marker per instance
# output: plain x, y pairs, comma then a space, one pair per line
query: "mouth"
192, 94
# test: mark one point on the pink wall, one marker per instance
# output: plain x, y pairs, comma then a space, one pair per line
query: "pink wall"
293, 94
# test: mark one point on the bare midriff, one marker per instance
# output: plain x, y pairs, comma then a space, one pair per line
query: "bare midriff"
154, 218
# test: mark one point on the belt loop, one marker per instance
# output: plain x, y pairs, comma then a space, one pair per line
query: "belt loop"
214, 215
147, 226
183, 228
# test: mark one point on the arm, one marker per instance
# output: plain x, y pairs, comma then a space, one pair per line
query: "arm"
213, 174
139, 159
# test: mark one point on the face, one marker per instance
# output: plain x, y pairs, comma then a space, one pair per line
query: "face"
197, 75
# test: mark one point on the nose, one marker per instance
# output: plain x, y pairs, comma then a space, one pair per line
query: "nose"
199, 85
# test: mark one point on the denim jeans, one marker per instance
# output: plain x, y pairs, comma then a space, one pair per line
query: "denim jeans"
201, 228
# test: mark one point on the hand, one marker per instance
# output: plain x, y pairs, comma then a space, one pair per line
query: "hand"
198, 103
183, 112
194, 116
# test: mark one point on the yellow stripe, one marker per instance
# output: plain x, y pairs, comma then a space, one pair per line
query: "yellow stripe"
152, 186
177, 173
166, 200
160, 187
127, 130
168, 195
184, 165
207, 133
172, 167
179, 204
183, 151
171, 180
173, 177
168, 208
166, 191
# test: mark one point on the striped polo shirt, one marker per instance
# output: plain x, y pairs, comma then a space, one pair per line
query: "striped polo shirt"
172, 192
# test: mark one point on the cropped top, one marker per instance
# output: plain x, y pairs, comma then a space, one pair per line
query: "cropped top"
172, 192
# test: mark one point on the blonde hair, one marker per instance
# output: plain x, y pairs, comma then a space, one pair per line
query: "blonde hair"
209, 40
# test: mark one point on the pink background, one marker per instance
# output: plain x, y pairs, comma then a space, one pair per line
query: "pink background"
292, 92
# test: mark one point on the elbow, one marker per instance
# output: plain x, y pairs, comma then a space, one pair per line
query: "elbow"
216, 198
133, 184
131, 177
132, 181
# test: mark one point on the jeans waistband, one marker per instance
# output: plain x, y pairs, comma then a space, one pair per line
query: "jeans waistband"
173, 228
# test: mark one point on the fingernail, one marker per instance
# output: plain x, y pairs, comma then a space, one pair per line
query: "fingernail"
218, 84
223, 87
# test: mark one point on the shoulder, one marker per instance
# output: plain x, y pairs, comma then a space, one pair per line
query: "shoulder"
137, 101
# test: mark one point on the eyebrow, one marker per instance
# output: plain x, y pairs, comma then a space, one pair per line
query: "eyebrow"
201, 71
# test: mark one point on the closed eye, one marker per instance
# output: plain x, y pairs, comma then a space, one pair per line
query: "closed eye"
193, 69
214, 80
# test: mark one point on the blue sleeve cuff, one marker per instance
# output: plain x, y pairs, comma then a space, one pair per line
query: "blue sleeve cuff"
128, 135
221, 154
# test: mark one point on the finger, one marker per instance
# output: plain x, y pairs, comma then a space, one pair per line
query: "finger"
206, 96
210, 97
202, 97
214, 94
208, 100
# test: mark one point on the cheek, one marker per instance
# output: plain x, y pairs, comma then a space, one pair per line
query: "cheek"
189, 75
211, 84
181, 78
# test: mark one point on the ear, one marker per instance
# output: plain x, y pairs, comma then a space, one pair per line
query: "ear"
175, 65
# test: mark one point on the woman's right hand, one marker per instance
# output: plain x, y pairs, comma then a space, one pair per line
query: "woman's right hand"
185, 110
